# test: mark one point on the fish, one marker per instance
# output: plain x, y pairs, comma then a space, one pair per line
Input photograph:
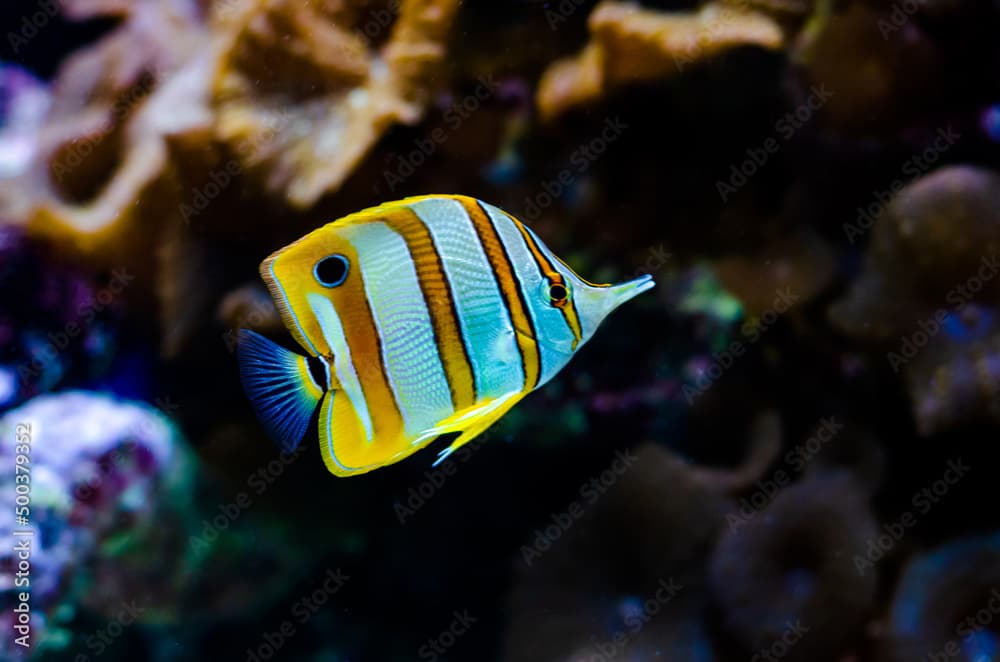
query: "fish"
421, 317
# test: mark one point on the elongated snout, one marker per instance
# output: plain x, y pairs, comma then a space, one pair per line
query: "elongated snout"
616, 295
595, 302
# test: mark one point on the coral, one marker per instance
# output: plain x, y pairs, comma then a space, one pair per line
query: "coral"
932, 239
600, 578
249, 307
803, 264
81, 9
956, 377
157, 121
947, 602
876, 76
59, 322
24, 101
179, 142
331, 91
794, 564
929, 290
855, 449
630, 44
101, 166
110, 491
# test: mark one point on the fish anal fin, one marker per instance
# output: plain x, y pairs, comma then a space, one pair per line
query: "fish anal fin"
471, 422
344, 444
346, 450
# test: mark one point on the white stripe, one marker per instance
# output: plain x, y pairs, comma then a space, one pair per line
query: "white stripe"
487, 330
329, 431
549, 323
413, 366
333, 333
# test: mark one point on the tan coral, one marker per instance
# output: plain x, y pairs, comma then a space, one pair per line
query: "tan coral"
932, 237
955, 381
630, 44
801, 264
880, 78
101, 156
303, 93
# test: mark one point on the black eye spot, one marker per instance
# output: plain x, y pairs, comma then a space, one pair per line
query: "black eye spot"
557, 292
331, 271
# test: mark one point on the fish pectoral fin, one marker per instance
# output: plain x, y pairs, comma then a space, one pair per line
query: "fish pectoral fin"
280, 387
470, 422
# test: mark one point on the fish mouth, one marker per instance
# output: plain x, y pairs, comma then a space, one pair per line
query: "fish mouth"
624, 292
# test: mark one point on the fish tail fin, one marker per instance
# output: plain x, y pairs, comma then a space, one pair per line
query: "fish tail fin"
280, 386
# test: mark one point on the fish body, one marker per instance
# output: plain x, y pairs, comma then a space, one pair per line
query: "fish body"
420, 317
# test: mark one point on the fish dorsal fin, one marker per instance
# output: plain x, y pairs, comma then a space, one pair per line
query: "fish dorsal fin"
280, 387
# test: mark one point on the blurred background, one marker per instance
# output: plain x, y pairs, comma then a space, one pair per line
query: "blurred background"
784, 451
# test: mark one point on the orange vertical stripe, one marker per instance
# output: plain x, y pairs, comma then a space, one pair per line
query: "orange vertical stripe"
366, 351
503, 270
440, 304
569, 309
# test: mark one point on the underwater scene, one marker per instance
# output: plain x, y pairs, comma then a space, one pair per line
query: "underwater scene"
500, 330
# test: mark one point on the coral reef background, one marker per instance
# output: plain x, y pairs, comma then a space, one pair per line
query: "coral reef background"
784, 451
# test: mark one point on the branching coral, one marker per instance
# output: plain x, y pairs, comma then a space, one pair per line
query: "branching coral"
304, 92
101, 157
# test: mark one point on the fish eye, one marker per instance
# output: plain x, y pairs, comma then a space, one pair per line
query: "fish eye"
331, 271
558, 294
